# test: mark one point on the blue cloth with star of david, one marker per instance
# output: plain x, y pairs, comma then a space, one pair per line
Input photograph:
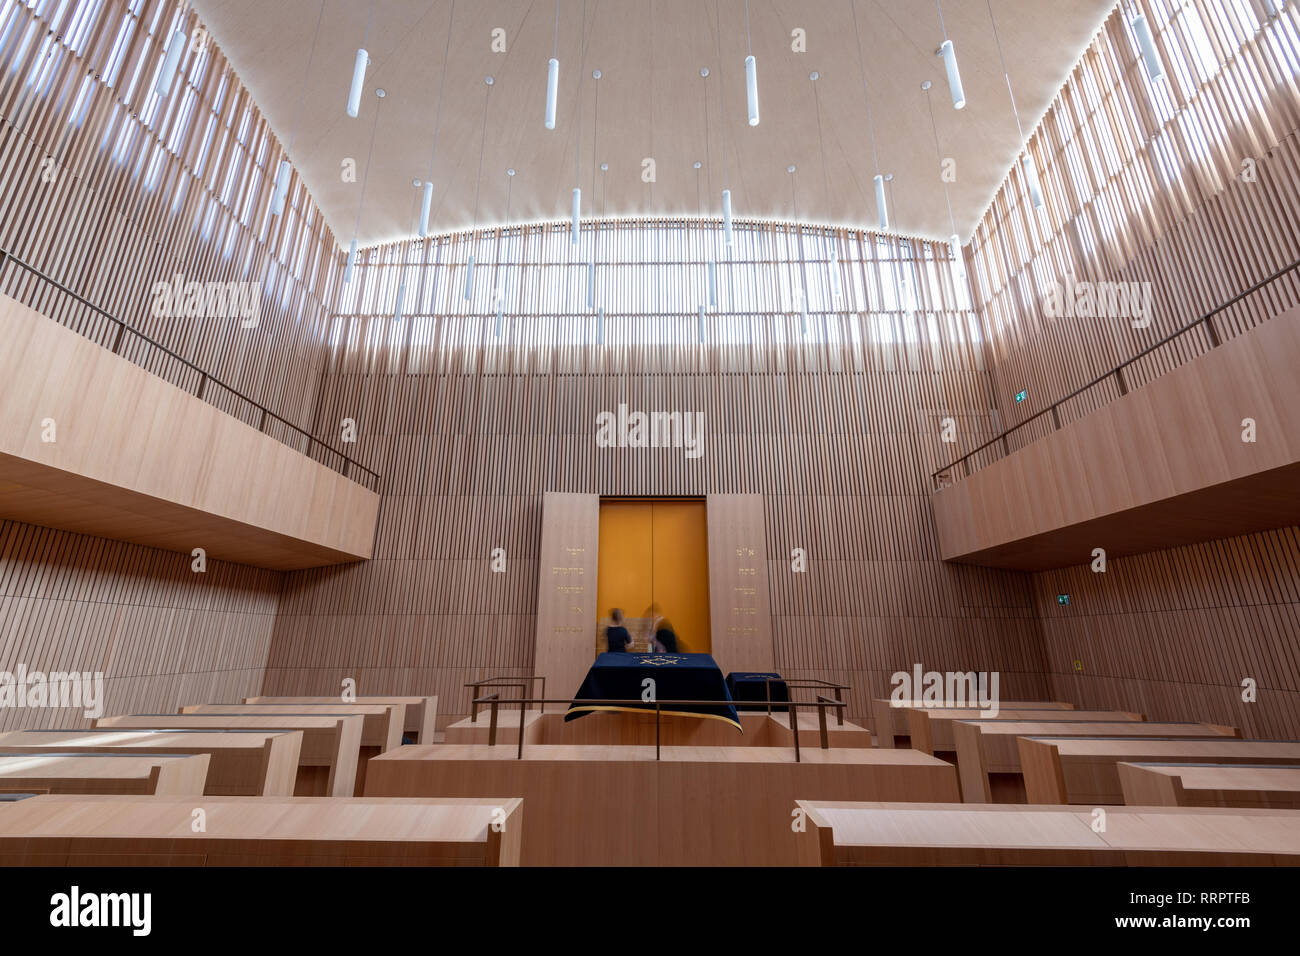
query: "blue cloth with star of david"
619, 676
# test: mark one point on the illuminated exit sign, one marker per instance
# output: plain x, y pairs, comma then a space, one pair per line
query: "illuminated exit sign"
1021, 396
1063, 599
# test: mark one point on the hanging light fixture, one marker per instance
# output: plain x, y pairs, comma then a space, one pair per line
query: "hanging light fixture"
478, 182
803, 285
949, 54
500, 293
832, 257
1026, 161
882, 208
359, 69
595, 130
577, 158
553, 72
708, 162
284, 173
401, 274
426, 201
726, 192
751, 73
365, 178
954, 241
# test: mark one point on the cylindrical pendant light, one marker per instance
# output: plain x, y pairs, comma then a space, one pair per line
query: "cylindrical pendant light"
726, 216
358, 82
713, 284
501, 286
172, 60
1147, 44
552, 90
751, 89
722, 107
469, 279
285, 173
361, 203
954, 245
1027, 162
426, 200
600, 326
352, 260
751, 73
701, 324
478, 184
1032, 181
882, 209
577, 214
954, 241
954, 75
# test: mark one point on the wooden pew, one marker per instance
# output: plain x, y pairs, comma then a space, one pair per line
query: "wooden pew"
331, 743
381, 728
930, 729
1065, 770
421, 712
988, 747
243, 762
1210, 785
889, 718
913, 834
696, 806
264, 831
90, 773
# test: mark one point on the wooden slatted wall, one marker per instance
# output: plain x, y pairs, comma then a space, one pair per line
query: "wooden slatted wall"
108, 189
838, 429
162, 634
1148, 182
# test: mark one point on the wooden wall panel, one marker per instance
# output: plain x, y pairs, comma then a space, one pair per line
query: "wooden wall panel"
739, 601
110, 190
836, 429
566, 590
162, 634
1192, 184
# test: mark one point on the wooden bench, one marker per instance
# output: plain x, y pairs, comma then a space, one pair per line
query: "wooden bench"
243, 762
381, 727
331, 743
62, 830
160, 774
421, 712
1210, 785
988, 756
618, 805
1086, 770
889, 718
930, 729
883, 834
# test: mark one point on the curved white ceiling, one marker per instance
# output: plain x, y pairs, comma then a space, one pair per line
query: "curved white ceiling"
652, 104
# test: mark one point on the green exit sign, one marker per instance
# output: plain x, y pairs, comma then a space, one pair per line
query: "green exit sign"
1063, 599
1021, 396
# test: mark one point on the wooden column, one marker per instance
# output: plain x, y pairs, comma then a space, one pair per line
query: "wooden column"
738, 598
566, 590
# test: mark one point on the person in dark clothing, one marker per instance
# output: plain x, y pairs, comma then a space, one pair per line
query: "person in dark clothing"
665, 638
616, 635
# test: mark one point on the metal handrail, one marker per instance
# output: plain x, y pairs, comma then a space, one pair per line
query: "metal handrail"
204, 377
1117, 373
804, 683
494, 700
500, 682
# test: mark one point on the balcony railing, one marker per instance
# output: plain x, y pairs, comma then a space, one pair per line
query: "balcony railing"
298, 438
999, 447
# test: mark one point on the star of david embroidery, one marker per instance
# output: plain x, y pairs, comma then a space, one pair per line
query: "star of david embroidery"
659, 661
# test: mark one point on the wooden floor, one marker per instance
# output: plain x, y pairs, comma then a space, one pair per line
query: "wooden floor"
618, 805
882, 834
